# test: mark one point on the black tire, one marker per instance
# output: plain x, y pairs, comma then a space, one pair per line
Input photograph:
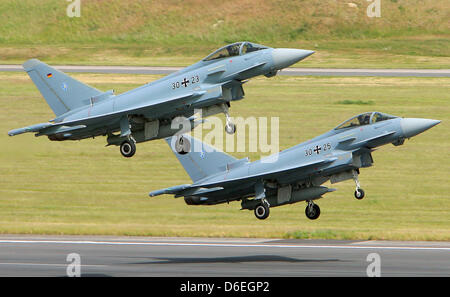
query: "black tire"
230, 128
359, 194
182, 146
262, 211
314, 213
128, 148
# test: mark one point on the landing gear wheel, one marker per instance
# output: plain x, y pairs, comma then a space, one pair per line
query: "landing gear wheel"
262, 211
359, 194
182, 146
312, 211
230, 128
128, 148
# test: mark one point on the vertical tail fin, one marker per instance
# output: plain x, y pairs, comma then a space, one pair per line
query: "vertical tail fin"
202, 160
61, 92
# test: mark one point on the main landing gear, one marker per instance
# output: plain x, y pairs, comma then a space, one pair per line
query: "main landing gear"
128, 148
262, 210
312, 210
359, 193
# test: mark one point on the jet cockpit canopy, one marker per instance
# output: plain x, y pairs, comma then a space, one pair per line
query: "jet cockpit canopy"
234, 49
366, 118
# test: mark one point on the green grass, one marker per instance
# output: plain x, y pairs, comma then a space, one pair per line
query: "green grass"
409, 34
82, 187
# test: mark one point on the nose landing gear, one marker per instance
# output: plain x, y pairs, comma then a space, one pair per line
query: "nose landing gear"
230, 127
359, 193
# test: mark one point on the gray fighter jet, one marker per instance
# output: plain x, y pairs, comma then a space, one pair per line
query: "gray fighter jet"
147, 112
295, 174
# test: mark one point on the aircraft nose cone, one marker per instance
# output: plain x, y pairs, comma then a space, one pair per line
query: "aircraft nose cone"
285, 57
412, 127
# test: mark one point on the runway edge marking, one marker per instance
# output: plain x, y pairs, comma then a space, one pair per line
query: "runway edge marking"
225, 245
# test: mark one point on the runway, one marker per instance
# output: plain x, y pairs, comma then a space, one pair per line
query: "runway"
288, 71
22, 255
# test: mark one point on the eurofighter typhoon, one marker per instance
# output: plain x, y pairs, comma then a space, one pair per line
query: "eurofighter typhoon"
146, 113
295, 174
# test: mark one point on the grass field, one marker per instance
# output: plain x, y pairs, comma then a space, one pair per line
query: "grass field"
408, 34
85, 188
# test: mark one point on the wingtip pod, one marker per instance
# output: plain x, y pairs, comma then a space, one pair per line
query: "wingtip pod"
33, 128
15, 132
156, 193
172, 190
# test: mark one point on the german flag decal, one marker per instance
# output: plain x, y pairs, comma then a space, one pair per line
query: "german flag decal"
49, 75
